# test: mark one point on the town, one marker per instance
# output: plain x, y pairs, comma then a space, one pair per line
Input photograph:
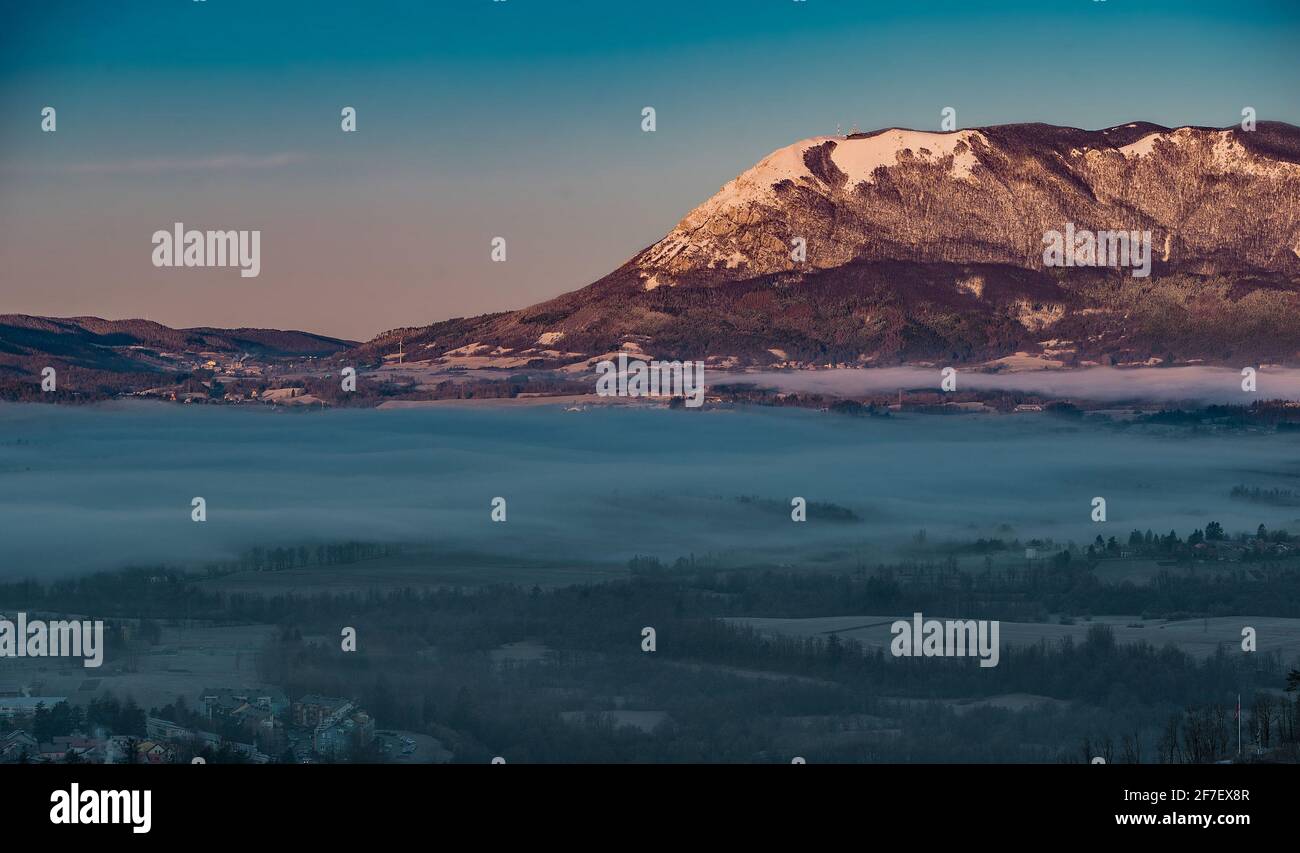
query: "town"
230, 725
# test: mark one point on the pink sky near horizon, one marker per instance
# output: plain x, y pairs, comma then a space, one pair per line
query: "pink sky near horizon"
338, 259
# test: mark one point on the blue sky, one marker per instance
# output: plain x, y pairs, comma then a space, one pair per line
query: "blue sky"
517, 118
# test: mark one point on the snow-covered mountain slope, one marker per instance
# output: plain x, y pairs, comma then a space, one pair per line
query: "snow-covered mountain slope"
988, 196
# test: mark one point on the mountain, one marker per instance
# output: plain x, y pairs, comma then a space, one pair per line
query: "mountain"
930, 246
98, 346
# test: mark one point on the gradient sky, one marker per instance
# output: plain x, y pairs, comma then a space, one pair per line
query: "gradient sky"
518, 118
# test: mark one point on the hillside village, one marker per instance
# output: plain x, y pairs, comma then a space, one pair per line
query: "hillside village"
231, 725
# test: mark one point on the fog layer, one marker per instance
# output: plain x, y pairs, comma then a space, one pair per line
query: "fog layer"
90, 488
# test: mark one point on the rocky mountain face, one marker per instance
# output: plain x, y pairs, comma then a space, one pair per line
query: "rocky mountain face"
1216, 201
904, 245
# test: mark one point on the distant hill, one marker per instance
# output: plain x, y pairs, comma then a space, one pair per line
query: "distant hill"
138, 347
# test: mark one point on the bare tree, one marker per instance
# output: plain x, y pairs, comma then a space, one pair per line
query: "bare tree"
1169, 751
1132, 748
1262, 720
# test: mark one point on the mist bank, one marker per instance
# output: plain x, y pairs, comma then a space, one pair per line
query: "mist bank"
101, 487
1195, 384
